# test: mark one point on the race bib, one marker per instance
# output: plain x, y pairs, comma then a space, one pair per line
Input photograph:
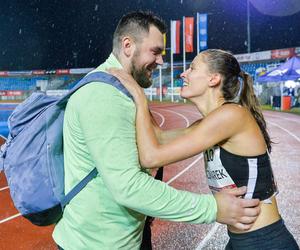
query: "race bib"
217, 176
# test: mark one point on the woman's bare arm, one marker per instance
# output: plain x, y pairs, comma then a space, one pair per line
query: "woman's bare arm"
166, 136
218, 126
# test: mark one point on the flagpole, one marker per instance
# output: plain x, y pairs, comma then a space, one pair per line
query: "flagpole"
198, 47
183, 42
171, 54
160, 83
248, 28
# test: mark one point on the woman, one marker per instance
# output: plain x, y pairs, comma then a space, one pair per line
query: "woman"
234, 135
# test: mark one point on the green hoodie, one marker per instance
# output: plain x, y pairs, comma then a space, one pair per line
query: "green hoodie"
109, 213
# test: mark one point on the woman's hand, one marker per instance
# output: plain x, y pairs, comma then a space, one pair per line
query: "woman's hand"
129, 83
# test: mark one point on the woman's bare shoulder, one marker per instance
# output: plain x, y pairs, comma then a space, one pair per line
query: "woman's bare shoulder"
233, 112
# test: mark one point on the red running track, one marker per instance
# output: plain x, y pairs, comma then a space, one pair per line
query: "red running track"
17, 233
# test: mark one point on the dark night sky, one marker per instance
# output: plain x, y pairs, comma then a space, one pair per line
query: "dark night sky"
41, 34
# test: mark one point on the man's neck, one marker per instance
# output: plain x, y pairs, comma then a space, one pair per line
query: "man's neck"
125, 65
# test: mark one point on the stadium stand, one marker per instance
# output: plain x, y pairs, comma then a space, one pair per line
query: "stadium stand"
16, 83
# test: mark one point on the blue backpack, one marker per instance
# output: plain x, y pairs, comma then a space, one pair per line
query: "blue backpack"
32, 157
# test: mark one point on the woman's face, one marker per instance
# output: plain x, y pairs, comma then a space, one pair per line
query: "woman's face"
196, 79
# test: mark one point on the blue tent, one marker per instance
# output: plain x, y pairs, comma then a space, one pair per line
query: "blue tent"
290, 70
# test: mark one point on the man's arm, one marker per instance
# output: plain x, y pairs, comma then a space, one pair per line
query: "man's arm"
108, 124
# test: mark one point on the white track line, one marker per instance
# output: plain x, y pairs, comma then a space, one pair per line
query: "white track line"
284, 118
195, 161
216, 225
3, 137
10, 218
186, 120
286, 130
186, 169
161, 117
4, 188
210, 233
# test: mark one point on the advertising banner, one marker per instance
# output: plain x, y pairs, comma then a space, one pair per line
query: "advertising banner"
175, 37
189, 34
202, 31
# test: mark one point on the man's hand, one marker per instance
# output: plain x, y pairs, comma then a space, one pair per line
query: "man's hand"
232, 210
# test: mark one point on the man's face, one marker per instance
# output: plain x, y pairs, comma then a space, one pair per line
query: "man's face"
147, 56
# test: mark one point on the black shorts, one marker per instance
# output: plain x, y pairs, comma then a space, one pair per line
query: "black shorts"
272, 237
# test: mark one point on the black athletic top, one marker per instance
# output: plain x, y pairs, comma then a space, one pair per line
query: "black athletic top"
227, 170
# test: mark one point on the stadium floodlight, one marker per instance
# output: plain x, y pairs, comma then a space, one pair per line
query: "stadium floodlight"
248, 28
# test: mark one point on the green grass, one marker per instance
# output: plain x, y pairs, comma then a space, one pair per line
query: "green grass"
292, 110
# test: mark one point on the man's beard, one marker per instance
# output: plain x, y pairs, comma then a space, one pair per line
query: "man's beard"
140, 75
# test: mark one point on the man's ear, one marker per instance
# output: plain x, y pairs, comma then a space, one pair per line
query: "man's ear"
128, 46
215, 80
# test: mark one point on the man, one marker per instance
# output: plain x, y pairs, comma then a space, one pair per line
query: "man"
99, 130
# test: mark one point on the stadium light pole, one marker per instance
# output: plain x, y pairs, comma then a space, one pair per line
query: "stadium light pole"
248, 28
75, 56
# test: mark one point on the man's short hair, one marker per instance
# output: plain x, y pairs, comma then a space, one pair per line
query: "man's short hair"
136, 24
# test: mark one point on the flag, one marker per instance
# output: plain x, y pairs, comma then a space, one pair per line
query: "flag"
175, 37
164, 51
202, 31
189, 33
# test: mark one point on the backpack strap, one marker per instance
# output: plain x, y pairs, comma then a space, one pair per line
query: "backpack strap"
100, 77
75, 190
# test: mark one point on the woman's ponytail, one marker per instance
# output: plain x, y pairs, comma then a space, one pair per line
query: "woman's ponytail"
237, 86
248, 99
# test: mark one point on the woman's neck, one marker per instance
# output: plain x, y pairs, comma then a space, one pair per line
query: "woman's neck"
207, 104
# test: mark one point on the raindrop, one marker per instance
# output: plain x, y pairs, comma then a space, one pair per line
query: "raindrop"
96, 7
37, 10
20, 31
52, 25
